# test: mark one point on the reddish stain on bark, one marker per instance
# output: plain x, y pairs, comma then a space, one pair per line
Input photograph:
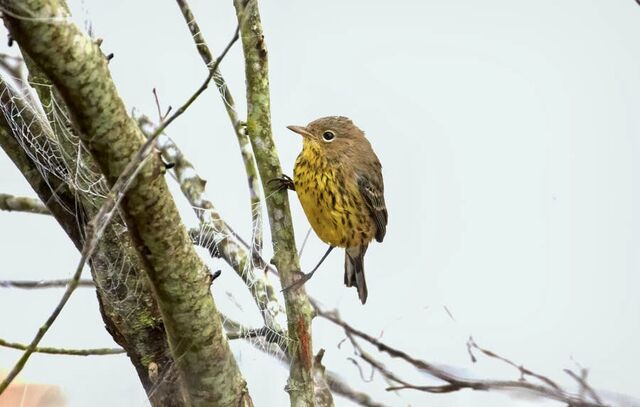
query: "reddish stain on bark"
305, 351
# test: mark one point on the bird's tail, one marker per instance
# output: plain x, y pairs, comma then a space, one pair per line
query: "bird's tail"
354, 270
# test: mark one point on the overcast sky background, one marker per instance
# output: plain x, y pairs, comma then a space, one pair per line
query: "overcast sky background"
508, 131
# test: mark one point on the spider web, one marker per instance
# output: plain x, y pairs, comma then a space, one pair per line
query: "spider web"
45, 133
42, 127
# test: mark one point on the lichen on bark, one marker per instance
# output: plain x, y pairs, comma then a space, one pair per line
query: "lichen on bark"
126, 303
178, 278
299, 311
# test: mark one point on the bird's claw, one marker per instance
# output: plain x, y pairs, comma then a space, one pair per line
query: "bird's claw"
298, 283
282, 183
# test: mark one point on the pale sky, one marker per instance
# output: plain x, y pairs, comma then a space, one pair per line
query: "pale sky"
507, 130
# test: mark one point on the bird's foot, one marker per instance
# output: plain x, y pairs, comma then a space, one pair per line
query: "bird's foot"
306, 277
298, 283
282, 183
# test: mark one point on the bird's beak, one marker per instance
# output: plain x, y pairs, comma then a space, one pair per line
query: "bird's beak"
300, 130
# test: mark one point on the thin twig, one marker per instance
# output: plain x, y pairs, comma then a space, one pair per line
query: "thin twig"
157, 100
86, 252
584, 386
238, 332
523, 370
248, 333
198, 92
266, 333
63, 351
375, 365
335, 382
202, 238
446, 388
38, 284
455, 383
340, 387
161, 116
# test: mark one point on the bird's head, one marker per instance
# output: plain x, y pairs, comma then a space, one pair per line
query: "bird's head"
334, 135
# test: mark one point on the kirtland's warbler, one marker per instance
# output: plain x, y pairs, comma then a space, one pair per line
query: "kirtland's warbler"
338, 179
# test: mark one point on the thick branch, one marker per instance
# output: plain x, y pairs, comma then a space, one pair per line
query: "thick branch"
218, 238
94, 230
299, 311
79, 71
135, 322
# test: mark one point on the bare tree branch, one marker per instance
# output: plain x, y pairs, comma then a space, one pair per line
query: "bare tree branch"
299, 311
375, 364
39, 284
217, 237
299, 316
340, 387
239, 127
471, 344
135, 323
235, 331
584, 386
197, 93
22, 204
455, 383
94, 232
239, 332
62, 351
205, 363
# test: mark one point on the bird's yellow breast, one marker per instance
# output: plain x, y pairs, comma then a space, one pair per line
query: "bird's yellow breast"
331, 200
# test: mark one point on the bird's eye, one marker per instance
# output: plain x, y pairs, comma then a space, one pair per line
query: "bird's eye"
328, 136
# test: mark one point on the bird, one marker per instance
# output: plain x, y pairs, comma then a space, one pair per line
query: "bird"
338, 180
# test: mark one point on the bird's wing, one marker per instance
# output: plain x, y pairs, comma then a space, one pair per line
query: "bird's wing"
372, 189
